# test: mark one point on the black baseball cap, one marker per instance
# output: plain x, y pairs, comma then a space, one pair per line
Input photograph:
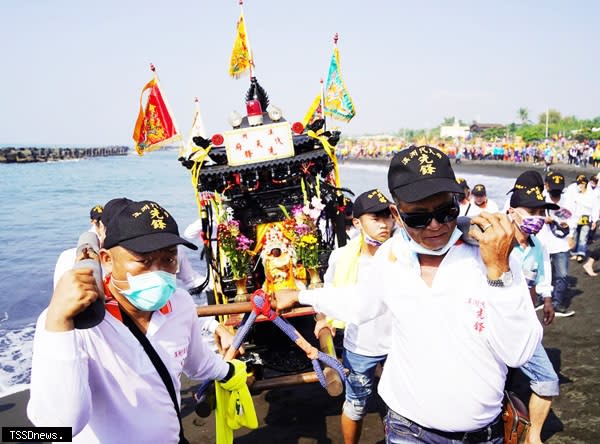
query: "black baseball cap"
556, 182
581, 179
418, 172
143, 227
112, 208
462, 182
530, 197
479, 190
96, 212
529, 179
372, 201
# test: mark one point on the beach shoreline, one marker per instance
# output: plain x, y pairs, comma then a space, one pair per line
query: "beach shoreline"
307, 414
498, 168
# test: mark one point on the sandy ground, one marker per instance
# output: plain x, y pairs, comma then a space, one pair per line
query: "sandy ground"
307, 414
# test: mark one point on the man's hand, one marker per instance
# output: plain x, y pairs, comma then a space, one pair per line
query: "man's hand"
75, 291
285, 299
496, 237
321, 324
224, 340
548, 311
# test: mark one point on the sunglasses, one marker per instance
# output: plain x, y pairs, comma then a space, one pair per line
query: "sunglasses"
422, 220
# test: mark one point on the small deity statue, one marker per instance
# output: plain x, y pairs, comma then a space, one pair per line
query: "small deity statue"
279, 261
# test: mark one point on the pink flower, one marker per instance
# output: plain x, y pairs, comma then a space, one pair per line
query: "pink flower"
296, 211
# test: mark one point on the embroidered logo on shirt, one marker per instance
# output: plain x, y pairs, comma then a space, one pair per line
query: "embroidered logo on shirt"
479, 324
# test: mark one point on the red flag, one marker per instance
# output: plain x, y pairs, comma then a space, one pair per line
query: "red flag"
154, 126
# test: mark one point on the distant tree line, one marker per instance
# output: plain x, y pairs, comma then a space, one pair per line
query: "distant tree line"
569, 127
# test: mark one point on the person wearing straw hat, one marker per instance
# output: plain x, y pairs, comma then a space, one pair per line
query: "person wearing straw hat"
454, 334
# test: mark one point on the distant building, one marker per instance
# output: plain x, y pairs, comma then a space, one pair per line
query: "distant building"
479, 127
455, 131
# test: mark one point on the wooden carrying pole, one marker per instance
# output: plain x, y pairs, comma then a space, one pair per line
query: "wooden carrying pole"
335, 387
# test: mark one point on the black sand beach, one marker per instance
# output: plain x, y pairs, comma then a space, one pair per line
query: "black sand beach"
308, 415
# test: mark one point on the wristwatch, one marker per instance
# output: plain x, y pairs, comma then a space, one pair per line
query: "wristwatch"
506, 280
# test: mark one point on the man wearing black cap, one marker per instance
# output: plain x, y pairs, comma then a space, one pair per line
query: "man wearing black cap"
556, 238
464, 199
453, 333
67, 258
365, 345
527, 211
586, 211
95, 215
481, 202
119, 380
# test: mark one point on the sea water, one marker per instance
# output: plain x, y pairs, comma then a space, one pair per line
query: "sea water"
45, 207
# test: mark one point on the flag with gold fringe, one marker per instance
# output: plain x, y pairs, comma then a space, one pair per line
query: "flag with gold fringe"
240, 56
338, 103
314, 112
155, 126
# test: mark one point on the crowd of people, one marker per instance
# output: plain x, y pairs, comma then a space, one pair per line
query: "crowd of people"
556, 151
446, 345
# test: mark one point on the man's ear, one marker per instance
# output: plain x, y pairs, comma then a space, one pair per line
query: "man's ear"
356, 223
106, 260
396, 215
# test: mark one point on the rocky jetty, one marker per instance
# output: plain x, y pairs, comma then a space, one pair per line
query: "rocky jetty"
29, 155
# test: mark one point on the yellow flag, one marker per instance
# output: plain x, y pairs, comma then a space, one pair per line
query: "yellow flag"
240, 56
314, 112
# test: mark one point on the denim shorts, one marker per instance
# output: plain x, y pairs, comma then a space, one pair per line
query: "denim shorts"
359, 382
539, 370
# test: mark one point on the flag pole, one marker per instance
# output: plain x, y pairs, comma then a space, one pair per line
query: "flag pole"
164, 97
335, 40
322, 113
247, 39
197, 122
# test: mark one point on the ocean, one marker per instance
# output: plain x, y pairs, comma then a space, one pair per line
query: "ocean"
45, 207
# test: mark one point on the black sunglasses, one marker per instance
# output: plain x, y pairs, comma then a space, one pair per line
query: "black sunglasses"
421, 220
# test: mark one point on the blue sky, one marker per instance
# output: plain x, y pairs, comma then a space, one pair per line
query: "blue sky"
72, 71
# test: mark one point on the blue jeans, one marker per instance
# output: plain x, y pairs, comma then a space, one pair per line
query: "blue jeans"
581, 237
560, 268
400, 430
359, 383
539, 370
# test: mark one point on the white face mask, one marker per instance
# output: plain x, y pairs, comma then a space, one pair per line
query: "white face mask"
419, 249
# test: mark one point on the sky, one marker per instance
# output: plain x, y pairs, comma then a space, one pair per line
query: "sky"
72, 71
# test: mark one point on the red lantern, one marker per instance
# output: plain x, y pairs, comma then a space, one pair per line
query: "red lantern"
297, 127
217, 140
254, 111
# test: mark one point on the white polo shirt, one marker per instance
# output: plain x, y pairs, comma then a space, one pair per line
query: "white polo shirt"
101, 382
451, 343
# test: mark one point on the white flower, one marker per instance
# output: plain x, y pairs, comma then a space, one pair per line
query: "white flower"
316, 203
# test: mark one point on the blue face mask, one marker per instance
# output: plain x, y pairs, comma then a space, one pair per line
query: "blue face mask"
149, 291
419, 249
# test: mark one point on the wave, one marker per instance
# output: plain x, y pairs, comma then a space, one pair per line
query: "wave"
16, 348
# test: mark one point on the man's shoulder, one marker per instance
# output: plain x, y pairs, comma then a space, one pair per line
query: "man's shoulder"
182, 301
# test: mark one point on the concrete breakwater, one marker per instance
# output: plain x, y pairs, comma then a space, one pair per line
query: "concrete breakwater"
29, 155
